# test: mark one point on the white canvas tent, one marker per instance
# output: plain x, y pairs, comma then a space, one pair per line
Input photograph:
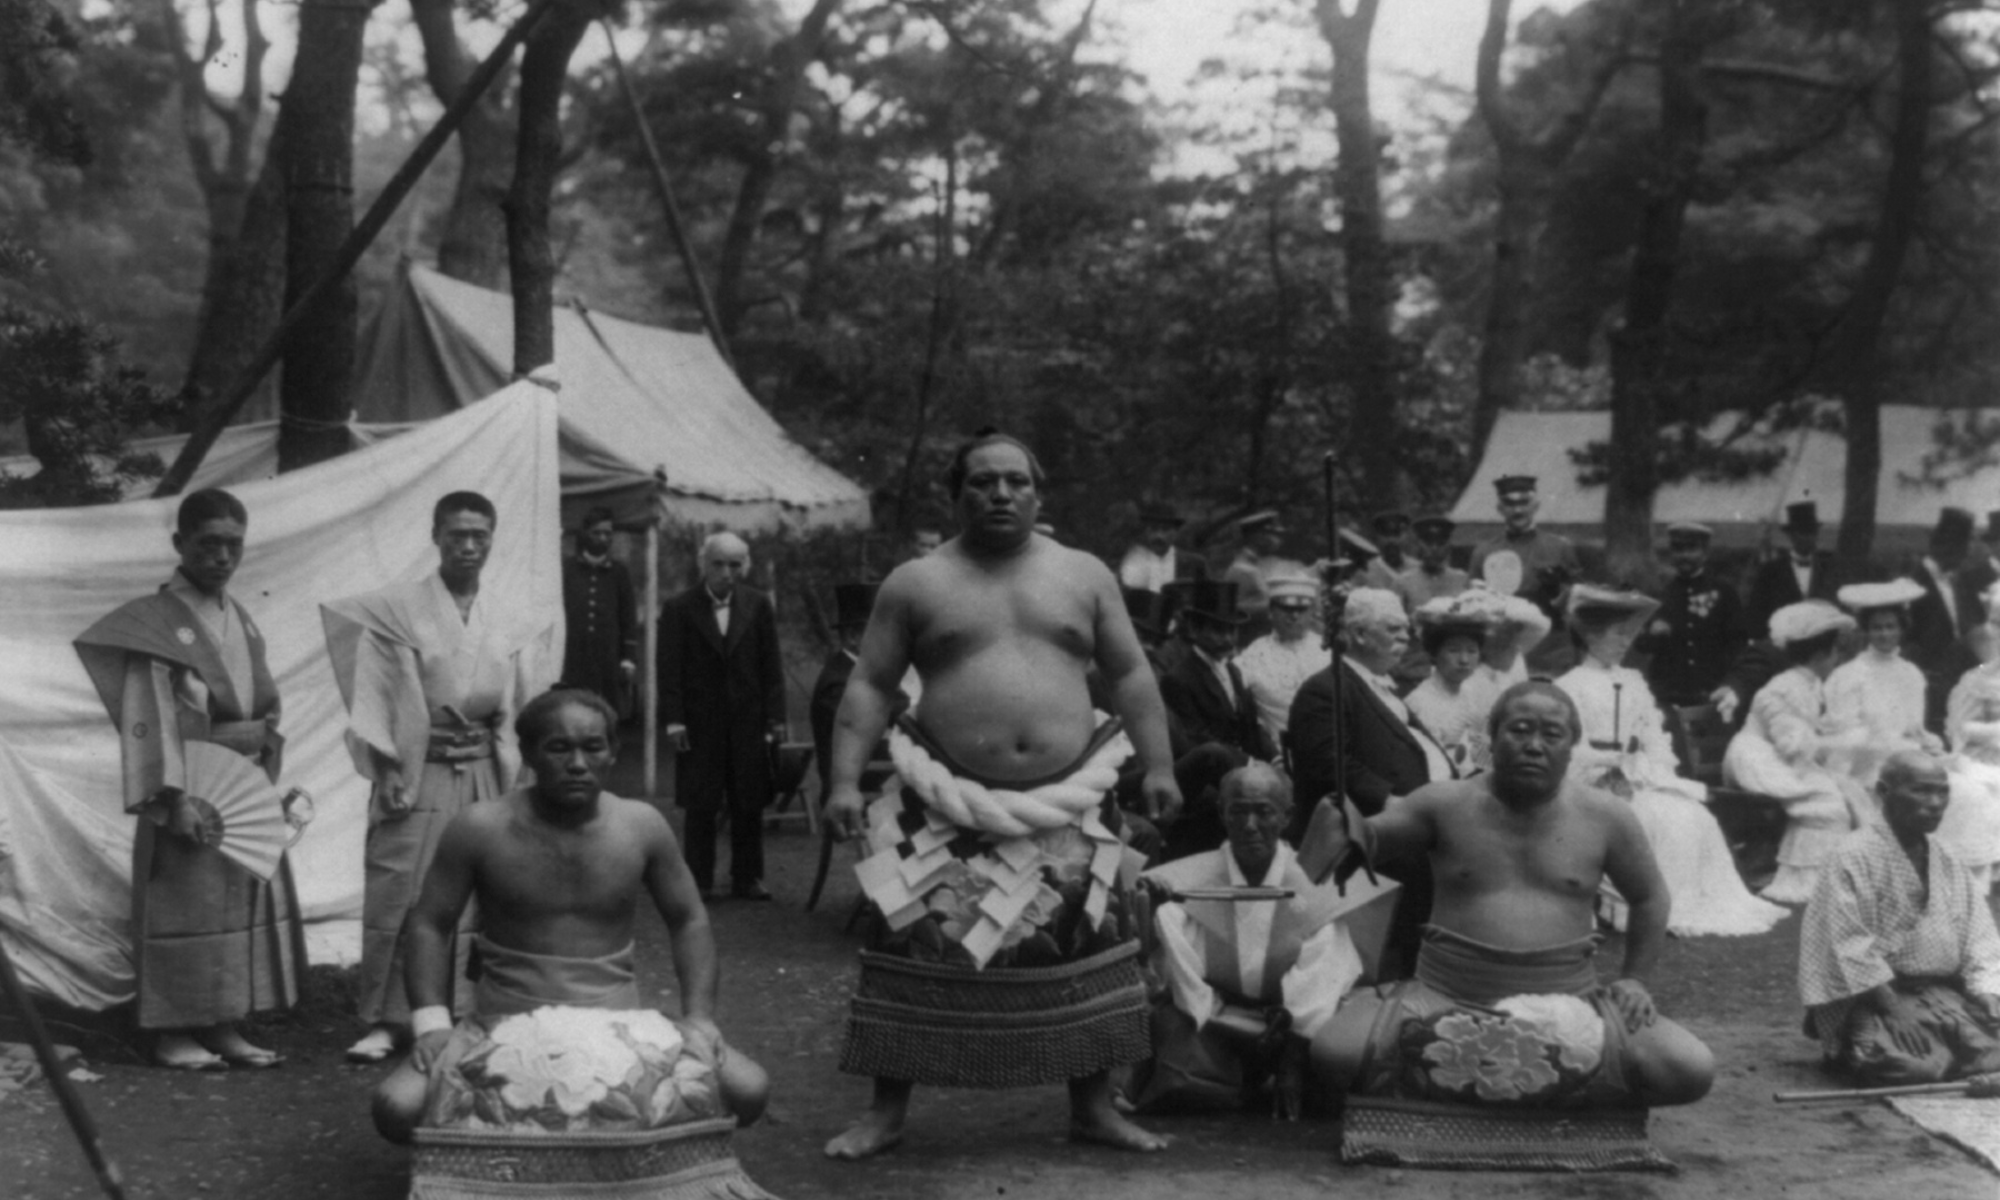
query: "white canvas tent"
335, 529
635, 400
1741, 512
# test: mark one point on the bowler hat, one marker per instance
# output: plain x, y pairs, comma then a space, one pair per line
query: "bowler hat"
1152, 512
1802, 517
1211, 598
1149, 610
852, 602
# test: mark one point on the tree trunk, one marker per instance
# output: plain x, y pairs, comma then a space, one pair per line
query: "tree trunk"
788, 62
242, 293
473, 244
1639, 363
538, 154
1856, 368
243, 280
316, 132
1526, 168
1371, 351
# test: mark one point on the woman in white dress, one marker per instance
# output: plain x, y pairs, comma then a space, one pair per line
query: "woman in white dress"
1783, 749
1971, 826
1878, 695
1455, 700
1625, 750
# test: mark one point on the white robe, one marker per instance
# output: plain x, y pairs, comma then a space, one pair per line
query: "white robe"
1617, 709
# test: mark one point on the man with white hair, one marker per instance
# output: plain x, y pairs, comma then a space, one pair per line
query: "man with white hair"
722, 697
1384, 749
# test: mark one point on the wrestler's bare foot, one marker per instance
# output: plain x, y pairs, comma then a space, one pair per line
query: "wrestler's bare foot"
874, 1133
880, 1128
1094, 1118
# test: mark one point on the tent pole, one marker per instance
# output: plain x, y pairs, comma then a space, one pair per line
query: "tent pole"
649, 684
203, 438
668, 205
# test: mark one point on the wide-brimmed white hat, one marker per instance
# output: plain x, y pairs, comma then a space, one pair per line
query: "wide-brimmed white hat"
1592, 605
1806, 619
1860, 597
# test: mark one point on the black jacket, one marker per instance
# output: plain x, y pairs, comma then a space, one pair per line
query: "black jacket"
728, 691
1195, 697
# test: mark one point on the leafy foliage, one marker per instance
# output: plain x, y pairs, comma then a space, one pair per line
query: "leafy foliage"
59, 376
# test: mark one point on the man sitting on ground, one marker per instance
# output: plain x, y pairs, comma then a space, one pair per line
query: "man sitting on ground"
1899, 963
1249, 982
556, 869
1517, 855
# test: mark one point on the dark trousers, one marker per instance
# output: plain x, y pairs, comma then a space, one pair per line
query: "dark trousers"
746, 837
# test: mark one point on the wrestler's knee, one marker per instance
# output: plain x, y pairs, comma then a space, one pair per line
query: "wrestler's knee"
1670, 1065
398, 1103
1340, 1048
745, 1086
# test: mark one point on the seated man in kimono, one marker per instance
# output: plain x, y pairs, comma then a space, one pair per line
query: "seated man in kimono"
1899, 963
557, 870
1249, 981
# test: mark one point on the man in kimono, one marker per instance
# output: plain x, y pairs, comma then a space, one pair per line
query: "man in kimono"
212, 942
1899, 962
432, 671
1249, 983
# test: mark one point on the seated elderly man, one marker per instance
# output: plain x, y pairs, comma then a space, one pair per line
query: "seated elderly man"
557, 870
1899, 963
1387, 752
1506, 1006
1250, 980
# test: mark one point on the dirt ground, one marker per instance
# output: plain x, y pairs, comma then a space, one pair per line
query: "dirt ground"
302, 1130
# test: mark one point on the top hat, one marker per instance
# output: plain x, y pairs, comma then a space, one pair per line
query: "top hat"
1508, 485
1689, 533
1802, 517
1954, 528
1211, 598
1390, 522
1152, 512
852, 602
1149, 610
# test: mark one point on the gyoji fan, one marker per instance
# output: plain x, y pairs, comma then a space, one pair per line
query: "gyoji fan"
244, 812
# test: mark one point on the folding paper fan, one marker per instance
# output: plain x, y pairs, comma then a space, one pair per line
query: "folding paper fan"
244, 812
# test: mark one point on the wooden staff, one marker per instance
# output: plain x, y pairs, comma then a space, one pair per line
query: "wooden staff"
66, 1094
1948, 1088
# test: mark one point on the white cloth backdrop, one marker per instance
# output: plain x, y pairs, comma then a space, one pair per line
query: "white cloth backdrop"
342, 527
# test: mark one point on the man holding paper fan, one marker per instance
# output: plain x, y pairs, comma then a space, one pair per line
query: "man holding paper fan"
215, 917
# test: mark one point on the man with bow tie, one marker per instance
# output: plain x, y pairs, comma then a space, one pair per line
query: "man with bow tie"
1805, 572
722, 696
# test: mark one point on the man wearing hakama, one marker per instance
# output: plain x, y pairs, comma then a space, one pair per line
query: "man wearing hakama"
212, 942
431, 672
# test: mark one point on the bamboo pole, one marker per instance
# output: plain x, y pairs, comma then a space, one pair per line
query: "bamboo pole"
649, 683
676, 228
202, 440
72, 1104
1947, 1088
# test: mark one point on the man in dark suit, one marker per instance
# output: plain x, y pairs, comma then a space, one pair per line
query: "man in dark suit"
1387, 751
1940, 618
601, 651
1805, 572
722, 697
1204, 691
